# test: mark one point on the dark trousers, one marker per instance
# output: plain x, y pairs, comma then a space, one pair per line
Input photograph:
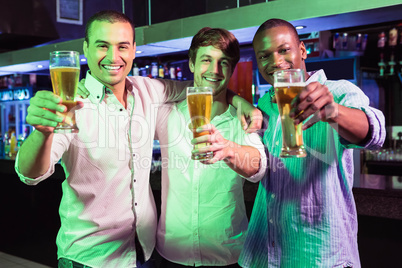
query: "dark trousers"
168, 264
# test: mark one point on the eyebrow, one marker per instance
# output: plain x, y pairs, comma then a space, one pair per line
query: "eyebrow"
209, 56
105, 42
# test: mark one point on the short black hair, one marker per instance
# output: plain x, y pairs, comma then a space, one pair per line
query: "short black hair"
110, 16
272, 23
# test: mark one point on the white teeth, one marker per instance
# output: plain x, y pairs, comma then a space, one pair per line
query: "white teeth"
210, 79
111, 67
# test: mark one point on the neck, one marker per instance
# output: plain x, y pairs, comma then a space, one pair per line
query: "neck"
220, 104
120, 93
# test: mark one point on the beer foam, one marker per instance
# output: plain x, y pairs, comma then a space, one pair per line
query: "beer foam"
287, 84
64, 67
199, 93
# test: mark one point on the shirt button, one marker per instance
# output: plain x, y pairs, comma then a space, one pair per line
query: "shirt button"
135, 180
271, 221
272, 196
97, 97
121, 109
135, 204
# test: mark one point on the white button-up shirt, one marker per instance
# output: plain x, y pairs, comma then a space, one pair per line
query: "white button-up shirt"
203, 217
106, 194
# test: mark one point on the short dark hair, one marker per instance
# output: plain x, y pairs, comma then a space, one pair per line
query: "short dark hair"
219, 38
110, 16
272, 23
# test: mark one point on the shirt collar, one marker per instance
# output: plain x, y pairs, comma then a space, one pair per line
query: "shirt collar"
98, 91
317, 76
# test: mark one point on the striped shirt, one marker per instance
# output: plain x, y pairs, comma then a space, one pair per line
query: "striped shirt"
304, 213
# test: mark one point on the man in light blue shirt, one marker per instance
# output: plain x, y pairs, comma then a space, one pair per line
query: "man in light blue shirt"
304, 213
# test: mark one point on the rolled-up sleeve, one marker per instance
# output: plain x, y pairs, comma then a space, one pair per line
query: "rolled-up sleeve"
254, 140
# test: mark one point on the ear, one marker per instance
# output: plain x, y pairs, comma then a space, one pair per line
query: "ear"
303, 50
85, 48
135, 49
191, 65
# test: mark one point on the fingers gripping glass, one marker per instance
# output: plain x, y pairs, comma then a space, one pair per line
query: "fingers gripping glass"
64, 72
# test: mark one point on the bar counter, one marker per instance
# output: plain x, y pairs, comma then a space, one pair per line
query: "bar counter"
30, 220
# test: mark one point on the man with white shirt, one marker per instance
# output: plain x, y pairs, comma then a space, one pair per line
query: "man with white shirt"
203, 219
108, 215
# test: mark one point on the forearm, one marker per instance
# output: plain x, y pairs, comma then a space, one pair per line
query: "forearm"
244, 160
34, 154
351, 124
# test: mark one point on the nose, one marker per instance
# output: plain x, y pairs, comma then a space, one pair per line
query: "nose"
277, 60
112, 53
215, 67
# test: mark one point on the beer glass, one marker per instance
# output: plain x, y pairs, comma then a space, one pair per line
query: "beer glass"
199, 101
288, 84
64, 72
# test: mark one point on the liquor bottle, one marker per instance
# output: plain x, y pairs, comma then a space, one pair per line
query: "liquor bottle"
381, 46
392, 42
136, 70
179, 74
166, 71
154, 70
172, 73
161, 73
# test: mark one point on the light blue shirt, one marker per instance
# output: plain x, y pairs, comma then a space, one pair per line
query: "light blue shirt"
304, 213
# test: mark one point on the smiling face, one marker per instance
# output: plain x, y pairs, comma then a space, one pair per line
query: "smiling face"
276, 49
110, 52
211, 68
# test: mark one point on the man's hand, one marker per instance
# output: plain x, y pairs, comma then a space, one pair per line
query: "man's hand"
42, 111
314, 99
249, 116
82, 91
219, 146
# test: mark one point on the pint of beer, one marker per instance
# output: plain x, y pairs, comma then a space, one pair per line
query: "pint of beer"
199, 101
64, 72
288, 84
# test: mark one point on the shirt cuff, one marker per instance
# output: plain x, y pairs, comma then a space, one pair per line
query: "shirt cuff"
377, 131
32, 181
263, 159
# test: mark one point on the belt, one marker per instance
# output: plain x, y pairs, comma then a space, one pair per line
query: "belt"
66, 263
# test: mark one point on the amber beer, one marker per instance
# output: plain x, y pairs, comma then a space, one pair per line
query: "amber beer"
292, 135
64, 73
199, 101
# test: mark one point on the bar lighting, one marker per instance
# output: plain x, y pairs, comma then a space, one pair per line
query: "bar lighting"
300, 27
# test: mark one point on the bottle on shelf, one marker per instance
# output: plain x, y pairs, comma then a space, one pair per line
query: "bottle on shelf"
392, 42
172, 73
179, 74
161, 73
381, 47
13, 146
136, 70
154, 70
166, 71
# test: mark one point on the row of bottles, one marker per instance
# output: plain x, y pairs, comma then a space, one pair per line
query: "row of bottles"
156, 70
349, 42
10, 144
390, 51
